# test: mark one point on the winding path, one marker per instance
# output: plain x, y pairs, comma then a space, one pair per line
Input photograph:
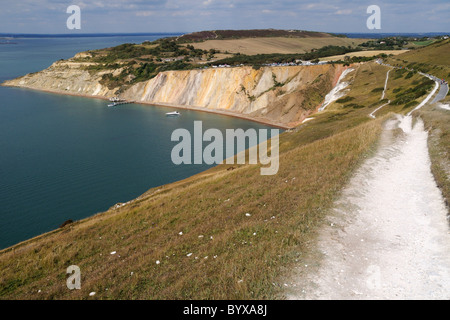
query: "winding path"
372, 114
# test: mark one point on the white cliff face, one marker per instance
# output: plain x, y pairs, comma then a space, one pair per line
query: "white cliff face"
65, 77
337, 92
276, 93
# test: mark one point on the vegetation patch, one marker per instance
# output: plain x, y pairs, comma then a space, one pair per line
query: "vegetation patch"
345, 99
354, 106
411, 94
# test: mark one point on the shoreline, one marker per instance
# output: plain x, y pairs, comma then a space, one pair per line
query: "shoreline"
168, 105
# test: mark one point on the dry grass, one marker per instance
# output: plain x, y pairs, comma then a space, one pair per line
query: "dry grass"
437, 123
251, 46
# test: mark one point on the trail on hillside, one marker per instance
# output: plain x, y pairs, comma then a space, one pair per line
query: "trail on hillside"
388, 236
385, 84
372, 114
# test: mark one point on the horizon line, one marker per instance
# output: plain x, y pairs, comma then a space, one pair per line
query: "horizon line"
153, 33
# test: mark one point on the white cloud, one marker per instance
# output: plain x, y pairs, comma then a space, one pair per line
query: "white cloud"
344, 11
320, 6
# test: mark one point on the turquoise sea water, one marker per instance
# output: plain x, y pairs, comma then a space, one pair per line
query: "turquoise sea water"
65, 157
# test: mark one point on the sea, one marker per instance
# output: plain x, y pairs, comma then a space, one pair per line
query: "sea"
67, 158
379, 35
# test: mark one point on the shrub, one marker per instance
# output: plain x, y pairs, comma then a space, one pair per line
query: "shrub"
345, 99
410, 74
354, 106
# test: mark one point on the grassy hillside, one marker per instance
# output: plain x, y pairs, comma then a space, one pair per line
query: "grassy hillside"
404, 90
264, 45
433, 59
252, 33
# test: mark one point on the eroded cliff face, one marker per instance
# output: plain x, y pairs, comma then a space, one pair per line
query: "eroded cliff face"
275, 94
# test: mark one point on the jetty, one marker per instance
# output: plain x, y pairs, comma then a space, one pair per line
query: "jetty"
118, 101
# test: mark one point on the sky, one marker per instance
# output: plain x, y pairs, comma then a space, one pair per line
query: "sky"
148, 16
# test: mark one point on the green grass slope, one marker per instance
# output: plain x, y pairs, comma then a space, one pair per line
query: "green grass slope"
433, 59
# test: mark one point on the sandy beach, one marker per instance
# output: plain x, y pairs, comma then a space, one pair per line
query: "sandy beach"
185, 107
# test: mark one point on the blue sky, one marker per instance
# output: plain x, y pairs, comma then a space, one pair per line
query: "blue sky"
98, 16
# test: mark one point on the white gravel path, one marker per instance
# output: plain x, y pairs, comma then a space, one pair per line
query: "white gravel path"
389, 235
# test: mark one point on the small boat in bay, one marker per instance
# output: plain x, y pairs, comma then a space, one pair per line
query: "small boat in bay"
172, 114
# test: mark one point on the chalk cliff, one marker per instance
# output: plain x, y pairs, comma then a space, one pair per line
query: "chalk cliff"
283, 95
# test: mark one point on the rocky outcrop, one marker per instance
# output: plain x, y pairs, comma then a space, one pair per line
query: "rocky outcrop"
274, 94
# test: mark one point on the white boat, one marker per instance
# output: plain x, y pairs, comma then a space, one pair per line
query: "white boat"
174, 113
112, 104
